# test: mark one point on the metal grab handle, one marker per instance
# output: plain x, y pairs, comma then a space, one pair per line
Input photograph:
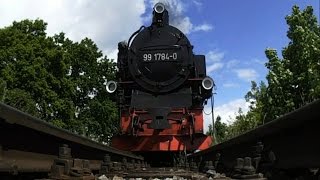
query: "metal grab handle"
161, 47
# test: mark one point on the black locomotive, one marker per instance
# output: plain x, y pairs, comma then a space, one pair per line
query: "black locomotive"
160, 82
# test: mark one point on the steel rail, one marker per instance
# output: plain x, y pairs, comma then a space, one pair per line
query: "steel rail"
28, 144
289, 142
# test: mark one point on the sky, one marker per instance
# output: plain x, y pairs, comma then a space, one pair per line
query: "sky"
233, 35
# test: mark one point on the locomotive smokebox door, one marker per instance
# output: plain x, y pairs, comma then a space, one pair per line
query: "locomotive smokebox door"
160, 57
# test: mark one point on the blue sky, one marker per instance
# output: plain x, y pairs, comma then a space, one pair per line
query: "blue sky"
232, 34
242, 30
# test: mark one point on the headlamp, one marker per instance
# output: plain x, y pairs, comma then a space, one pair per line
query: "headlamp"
159, 8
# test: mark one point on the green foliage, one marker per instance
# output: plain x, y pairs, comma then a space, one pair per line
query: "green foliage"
57, 80
221, 130
220, 134
294, 80
3, 89
243, 123
257, 97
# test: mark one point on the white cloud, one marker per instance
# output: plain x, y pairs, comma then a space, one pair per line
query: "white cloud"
214, 56
227, 111
246, 74
230, 85
184, 25
259, 61
112, 54
177, 17
232, 63
106, 22
213, 59
197, 3
203, 27
214, 67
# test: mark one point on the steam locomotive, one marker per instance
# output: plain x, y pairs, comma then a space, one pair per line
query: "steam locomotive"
161, 90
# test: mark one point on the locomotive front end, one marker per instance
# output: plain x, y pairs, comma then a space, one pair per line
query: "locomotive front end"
162, 87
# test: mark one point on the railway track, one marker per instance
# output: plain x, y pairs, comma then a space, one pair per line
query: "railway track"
33, 149
30, 146
285, 148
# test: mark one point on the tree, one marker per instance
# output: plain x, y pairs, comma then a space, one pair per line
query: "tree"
242, 124
220, 131
257, 97
3, 89
294, 80
57, 80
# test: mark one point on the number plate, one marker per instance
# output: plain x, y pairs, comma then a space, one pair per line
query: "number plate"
159, 57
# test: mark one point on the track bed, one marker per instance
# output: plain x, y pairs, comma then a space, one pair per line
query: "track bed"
288, 145
30, 146
286, 148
